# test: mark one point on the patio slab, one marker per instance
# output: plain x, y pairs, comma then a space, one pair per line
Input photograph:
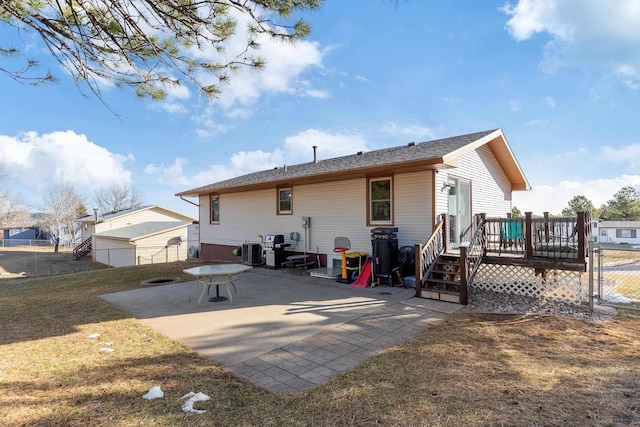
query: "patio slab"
284, 332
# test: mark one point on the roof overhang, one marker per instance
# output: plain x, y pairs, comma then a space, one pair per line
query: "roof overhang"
387, 169
501, 150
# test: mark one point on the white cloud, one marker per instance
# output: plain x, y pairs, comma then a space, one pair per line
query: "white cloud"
554, 198
315, 93
294, 150
285, 62
515, 106
536, 122
415, 132
591, 34
629, 155
299, 148
35, 162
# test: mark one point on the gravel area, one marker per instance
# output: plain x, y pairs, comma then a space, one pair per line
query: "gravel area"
487, 302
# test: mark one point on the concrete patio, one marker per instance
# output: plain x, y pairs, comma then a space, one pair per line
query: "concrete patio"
284, 332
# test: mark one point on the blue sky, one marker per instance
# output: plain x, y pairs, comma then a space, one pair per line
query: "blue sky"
560, 77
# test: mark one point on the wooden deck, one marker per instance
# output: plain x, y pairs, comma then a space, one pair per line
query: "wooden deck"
545, 243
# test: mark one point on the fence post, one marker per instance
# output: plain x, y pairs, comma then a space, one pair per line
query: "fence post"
591, 255
463, 276
418, 265
528, 235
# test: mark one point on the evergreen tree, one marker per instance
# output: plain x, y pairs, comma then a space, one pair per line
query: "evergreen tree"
625, 206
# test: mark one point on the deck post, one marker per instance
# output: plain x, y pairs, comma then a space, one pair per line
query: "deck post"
418, 264
483, 217
464, 299
528, 235
582, 245
546, 227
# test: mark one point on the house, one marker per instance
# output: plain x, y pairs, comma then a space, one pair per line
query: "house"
404, 188
625, 232
24, 230
144, 235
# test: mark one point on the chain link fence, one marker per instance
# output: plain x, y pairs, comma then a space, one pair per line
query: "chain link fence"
615, 275
40, 259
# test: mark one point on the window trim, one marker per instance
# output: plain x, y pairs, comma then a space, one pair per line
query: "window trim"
390, 221
280, 211
211, 197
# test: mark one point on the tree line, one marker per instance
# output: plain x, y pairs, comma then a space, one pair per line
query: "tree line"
624, 206
62, 206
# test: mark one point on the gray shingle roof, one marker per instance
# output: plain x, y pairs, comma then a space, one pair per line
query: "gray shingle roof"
110, 215
388, 156
133, 232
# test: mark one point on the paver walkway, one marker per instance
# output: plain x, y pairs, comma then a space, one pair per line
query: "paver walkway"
285, 332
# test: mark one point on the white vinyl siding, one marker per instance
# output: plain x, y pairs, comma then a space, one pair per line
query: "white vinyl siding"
490, 187
115, 253
155, 250
413, 207
336, 209
138, 217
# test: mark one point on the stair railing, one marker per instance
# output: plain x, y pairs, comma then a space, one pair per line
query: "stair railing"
427, 254
471, 257
82, 249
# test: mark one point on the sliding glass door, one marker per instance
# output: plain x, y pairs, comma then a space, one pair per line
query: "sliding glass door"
459, 211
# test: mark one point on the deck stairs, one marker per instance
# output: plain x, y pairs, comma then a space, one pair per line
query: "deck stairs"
82, 250
442, 281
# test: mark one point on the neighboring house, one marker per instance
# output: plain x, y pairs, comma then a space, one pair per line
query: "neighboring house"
144, 235
25, 230
404, 187
617, 232
145, 243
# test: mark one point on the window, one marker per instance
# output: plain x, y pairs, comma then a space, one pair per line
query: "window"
380, 201
626, 234
285, 201
603, 232
215, 209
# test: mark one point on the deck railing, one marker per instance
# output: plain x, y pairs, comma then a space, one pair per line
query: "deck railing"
546, 241
565, 238
82, 249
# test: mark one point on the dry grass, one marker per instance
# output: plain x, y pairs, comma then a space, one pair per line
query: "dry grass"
25, 261
469, 371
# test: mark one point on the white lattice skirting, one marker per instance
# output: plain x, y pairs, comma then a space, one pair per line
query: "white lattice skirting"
559, 285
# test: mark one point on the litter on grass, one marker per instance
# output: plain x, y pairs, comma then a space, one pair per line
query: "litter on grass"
93, 336
193, 398
106, 350
154, 393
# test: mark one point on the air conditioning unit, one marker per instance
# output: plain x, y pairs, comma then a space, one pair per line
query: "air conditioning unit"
251, 254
